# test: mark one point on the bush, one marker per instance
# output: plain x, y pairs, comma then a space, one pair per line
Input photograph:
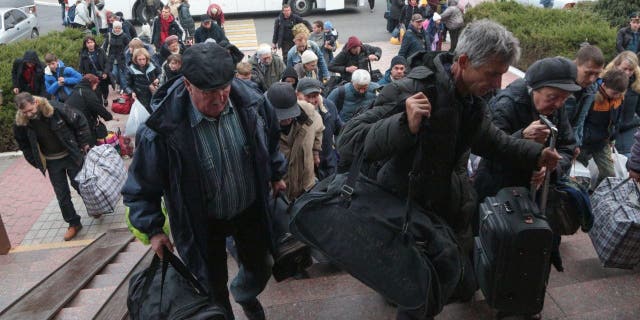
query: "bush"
548, 32
617, 11
65, 45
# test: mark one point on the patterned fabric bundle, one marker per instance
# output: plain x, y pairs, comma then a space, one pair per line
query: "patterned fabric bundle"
616, 227
100, 180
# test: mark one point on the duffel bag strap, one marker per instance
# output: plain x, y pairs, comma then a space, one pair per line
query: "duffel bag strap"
354, 171
183, 271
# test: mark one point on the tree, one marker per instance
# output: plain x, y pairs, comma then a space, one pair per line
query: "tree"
617, 11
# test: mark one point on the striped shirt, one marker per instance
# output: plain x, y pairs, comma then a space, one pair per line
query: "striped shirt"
226, 160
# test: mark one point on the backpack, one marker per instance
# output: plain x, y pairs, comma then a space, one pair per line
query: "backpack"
71, 14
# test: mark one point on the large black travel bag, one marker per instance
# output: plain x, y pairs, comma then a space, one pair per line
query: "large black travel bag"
512, 251
406, 254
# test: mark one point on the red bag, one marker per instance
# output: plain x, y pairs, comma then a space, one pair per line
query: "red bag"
123, 104
126, 147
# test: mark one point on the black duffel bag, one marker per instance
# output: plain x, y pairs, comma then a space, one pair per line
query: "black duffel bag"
408, 255
167, 290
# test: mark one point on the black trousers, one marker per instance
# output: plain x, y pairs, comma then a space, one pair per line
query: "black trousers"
249, 231
372, 3
58, 171
286, 45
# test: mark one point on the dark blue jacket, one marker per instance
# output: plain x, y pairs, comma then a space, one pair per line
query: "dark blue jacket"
577, 106
332, 127
166, 163
601, 127
412, 42
630, 119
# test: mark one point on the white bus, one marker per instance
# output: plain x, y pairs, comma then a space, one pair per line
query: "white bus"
136, 9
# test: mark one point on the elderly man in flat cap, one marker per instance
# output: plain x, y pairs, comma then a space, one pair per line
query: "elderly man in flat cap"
211, 149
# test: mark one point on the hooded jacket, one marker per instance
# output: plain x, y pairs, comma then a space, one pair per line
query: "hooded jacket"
265, 76
382, 134
71, 78
89, 103
38, 80
512, 111
166, 164
298, 146
68, 124
345, 59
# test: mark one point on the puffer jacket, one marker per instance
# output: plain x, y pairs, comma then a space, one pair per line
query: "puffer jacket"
382, 134
166, 164
38, 80
345, 59
71, 78
138, 81
89, 103
267, 75
186, 20
68, 124
512, 111
298, 146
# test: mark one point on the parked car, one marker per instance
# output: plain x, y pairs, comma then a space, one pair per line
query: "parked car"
18, 24
557, 4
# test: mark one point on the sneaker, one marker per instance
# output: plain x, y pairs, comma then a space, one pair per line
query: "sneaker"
253, 310
72, 231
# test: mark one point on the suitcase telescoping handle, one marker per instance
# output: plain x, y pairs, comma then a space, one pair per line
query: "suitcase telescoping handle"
547, 177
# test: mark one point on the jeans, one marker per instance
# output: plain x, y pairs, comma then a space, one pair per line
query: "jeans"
602, 157
250, 234
58, 171
119, 73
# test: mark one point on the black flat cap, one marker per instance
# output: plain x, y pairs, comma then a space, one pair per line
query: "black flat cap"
309, 85
555, 72
284, 101
208, 66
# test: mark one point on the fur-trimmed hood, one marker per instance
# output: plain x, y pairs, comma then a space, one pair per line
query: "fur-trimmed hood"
45, 108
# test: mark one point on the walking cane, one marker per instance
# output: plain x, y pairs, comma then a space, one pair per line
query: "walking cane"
547, 176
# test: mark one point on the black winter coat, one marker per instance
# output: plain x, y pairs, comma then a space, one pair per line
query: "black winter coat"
89, 103
345, 59
396, 9
214, 32
457, 125
114, 47
19, 82
97, 67
69, 125
512, 111
138, 81
412, 42
167, 164
282, 28
186, 20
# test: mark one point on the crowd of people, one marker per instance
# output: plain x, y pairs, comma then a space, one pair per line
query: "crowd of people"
222, 138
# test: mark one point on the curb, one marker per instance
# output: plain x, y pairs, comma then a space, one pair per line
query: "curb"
10, 155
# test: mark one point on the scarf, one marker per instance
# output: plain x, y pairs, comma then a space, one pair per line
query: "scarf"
164, 28
29, 75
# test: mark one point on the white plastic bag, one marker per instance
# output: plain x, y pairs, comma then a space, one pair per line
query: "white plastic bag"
619, 164
137, 116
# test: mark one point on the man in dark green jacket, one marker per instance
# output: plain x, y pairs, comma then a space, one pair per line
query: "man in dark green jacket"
441, 120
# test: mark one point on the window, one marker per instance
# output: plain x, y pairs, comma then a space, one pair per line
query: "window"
19, 15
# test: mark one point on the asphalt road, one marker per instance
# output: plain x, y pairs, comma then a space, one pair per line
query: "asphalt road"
360, 22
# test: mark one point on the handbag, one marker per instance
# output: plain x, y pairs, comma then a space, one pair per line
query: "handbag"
167, 290
405, 253
376, 74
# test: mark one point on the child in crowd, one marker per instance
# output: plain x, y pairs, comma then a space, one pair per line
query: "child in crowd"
330, 41
317, 32
171, 68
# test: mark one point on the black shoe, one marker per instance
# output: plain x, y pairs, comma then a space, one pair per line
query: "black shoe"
253, 310
292, 257
556, 261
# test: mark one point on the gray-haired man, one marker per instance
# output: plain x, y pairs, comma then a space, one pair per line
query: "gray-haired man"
444, 118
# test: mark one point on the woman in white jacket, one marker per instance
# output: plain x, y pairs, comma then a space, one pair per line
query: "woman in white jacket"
83, 19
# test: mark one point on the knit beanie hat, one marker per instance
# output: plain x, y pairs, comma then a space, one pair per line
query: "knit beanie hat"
308, 56
328, 25
353, 42
398, 60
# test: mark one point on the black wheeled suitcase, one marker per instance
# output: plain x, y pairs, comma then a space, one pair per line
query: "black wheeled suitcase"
511, 255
